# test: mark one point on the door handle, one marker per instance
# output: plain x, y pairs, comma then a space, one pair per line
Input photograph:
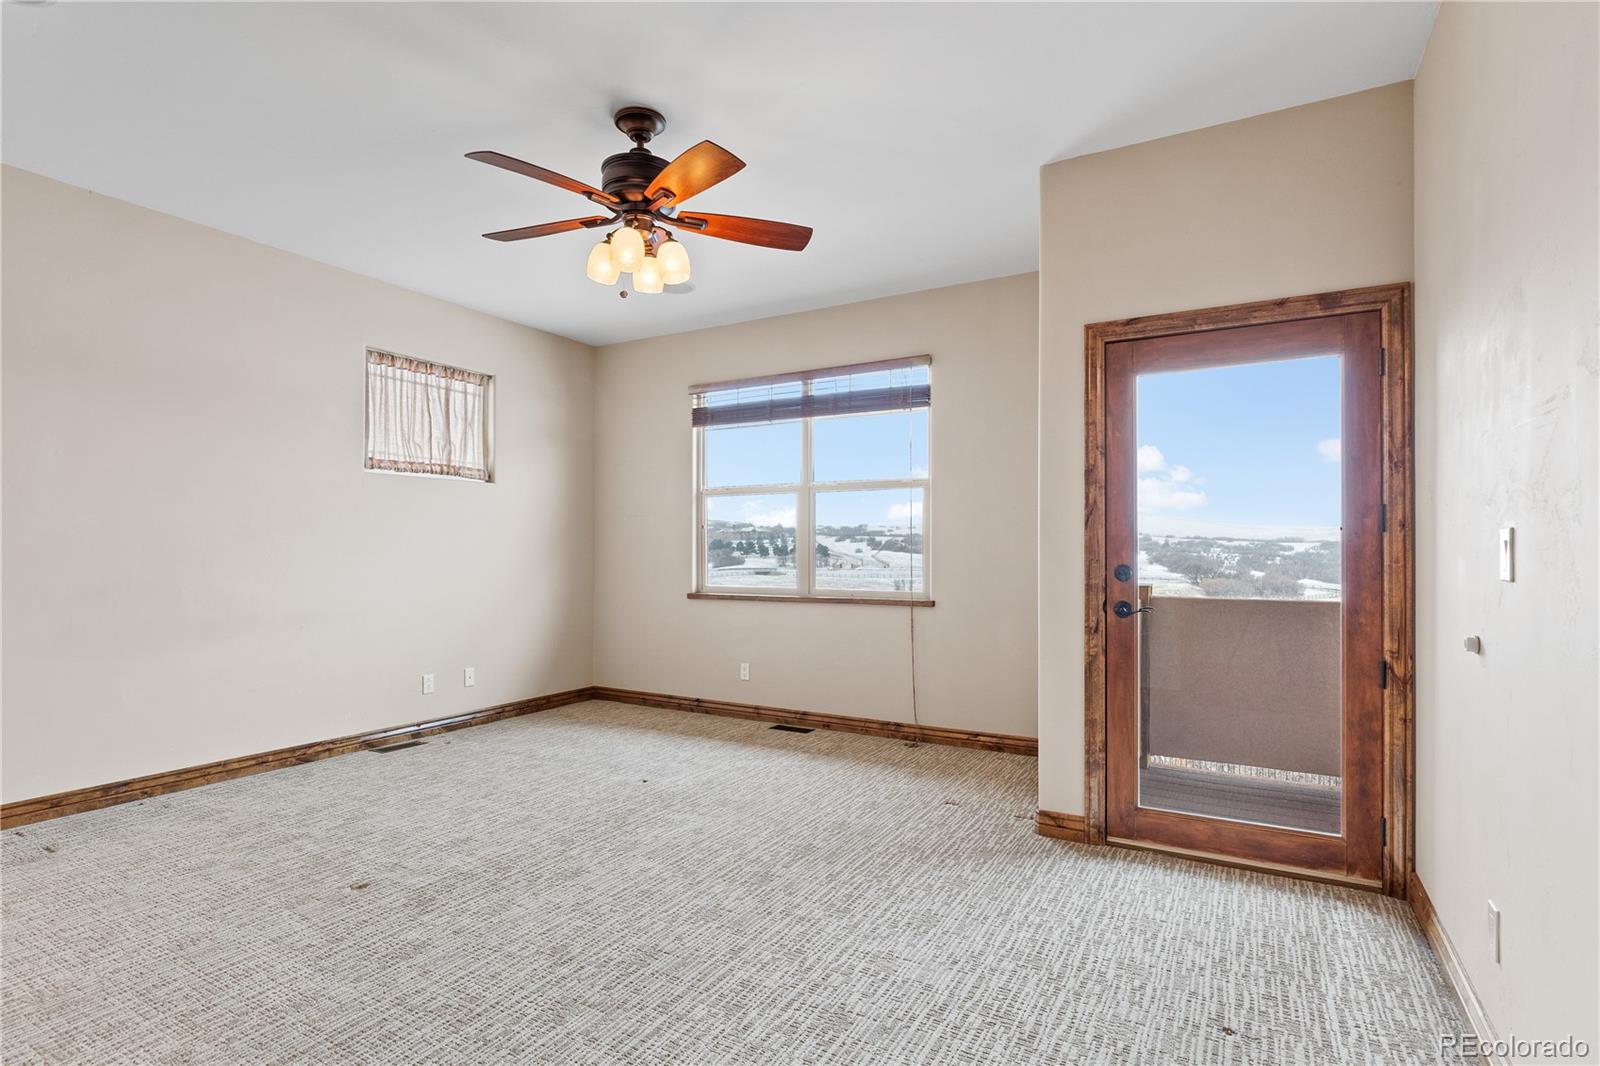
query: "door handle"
1124, 609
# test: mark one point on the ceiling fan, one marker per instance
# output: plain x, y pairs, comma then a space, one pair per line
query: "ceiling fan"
644, 194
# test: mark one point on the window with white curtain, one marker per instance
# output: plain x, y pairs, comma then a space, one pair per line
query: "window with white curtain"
427, 418
815, 485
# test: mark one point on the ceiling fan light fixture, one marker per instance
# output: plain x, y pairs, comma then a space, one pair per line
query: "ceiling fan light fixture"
674, 260
641, 193
647, 279
627, 249
602, 266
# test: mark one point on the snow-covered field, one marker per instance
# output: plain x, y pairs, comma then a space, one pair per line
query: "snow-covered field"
850, 565
1164, 582
1234, 567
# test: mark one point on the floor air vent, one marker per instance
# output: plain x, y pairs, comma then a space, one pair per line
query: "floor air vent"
793, 729
387, 748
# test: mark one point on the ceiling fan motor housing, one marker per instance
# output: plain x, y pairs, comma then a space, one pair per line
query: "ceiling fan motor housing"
627, 175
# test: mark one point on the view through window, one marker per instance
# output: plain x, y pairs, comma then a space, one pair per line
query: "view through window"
1239, 569
816, 483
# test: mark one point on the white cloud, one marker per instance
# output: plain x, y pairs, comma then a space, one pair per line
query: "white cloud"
783, 516
1329, 449
1163, 494
900, 512
1167, 486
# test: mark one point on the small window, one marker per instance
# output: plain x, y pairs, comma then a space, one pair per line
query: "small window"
816, 484
427, 418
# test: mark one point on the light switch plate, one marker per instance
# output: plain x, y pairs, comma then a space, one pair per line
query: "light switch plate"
427, 684
1494, 931
1507, 546
469, 677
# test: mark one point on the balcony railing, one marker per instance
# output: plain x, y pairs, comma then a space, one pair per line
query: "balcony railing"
1240, 708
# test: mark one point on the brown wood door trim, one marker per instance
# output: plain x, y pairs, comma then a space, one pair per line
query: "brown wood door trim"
1393, 305
1356, 851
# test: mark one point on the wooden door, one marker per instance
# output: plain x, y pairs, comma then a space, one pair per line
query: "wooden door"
1222, 657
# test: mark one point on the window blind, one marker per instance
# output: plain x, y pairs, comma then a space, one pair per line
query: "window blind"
865, 388
426, 418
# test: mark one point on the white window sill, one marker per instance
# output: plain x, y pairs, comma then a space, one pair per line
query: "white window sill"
878, 601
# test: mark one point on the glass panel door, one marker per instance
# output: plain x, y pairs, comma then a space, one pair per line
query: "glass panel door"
1240, 570
1243, 624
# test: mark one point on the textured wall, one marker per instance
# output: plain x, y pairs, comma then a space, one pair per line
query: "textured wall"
1507, 178
1306, 200
196, 564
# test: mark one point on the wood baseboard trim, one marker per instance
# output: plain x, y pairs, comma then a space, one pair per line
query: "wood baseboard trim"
94, 797
1455, 973
873, 727
1061, 826
76, 801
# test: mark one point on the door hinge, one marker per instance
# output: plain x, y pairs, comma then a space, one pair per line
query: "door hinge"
1383, 830
1383, 360
1383, 518
1383, 675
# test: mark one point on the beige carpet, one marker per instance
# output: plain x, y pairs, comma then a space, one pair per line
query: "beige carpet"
604, 883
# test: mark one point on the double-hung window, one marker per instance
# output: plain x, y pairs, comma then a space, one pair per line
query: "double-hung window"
815, 485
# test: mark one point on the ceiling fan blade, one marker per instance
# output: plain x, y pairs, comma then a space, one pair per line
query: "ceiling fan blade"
784, 235
538, 173
695, 171
547, 228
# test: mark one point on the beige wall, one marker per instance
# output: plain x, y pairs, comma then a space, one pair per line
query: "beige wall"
1507, 176
196, 564
975, 649
1306, 200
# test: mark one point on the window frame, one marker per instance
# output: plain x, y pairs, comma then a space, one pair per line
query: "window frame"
805, 493
489, 396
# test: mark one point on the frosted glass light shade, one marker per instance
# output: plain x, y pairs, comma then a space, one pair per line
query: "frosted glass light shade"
603, 265
674, 260
627, 249
648, 277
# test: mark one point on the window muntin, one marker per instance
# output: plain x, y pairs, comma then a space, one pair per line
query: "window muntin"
837, 460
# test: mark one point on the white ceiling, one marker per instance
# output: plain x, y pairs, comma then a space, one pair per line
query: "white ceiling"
908, 135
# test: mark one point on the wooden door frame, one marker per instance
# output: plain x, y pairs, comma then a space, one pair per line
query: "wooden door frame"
1393, 303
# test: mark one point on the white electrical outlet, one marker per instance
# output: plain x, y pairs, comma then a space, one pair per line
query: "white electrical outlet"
1507, 539
744, 671
427, 684
469, 677
1494, 931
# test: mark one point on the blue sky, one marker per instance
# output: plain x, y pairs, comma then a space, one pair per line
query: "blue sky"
1223, 451
1240, 446
856, 448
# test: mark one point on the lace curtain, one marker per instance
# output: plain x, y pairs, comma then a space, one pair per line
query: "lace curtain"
425, 418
